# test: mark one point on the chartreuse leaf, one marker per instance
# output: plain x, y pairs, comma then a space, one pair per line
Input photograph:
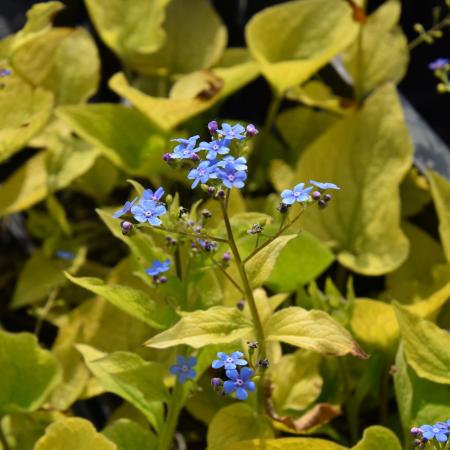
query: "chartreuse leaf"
24, 112
376, 438
440, 191
235, 423
128, 435
216, 325
364, 217
299, 262
73, 433
426, 346
122, 134
260, 266
132, 29
382, 54
129, 376
296, 379
22, 360
293, 40
134, 302
312, 330
186, 97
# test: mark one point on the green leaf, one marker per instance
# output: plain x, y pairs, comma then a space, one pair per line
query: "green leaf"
296, 379
440, 191
294, 40
134, 302
128, 435
73, 434
260, 266
216, 325
312, 330
376, 438
301, 261
283, 444
235, 423
363, 219
22, 360
24, 112
382, 55
133, 29
122, 134
426, 346
129, 376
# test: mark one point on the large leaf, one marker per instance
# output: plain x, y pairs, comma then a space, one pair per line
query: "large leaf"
377, 438
440, 190
217, 325
73, 434
293, 40
367, 155
312, 330
300, 261
133, 29
426, 346
129, 376
382, 53
122, 134
236, 423
22, 360
130, 300
128, 435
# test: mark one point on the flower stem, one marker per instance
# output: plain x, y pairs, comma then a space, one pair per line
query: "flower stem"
193, 236
173, 411
421, 38
272, 111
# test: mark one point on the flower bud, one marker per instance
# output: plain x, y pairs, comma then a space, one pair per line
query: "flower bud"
327, 197
216, 383
416, 432
226, 256
251, 130
283, 208
240, 305
127, 227
316, 195
322, 203
206, 213
263, 363
255, 229
253, 345
213, 126
220, 194
167, 157
211, 190
162, 279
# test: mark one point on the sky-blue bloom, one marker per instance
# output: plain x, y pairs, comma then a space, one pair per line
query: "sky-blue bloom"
158, 267
239, 164
126, 208
148, 211
298, 194
214, 148
440, 63
65, 254
186, 148
156, 196
205, 171
324, 186
229, 362
430, 432
184, 368
232, 132
5, 72
232, 177
239, 383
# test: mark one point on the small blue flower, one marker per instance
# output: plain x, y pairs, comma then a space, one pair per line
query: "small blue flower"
184, 368
5, 72
229, 362
324, 186
186, 148
232, 132
148, 211
214, 148
126, 208
208, 246
444, 425
430, 432
239, 164
232, 177
440, 63
65, 254
158, 267
298, 194
239, 383
205, 171
148, 194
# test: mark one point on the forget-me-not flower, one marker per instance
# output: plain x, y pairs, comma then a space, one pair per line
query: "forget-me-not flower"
214, 148
439, 64
126, 208
5, 72
324, 186
148, 211
205, 171
231, 176
430, 432
298, 194
229, 362
186, 148
65, 254
158, 267
156, 196
184, 368
232, 132
238, 163
239, 383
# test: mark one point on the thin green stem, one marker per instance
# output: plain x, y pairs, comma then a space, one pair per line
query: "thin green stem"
272, 111
422, 37
3, 440
384, 401
47, 308
193, 236
350, 412
170, 425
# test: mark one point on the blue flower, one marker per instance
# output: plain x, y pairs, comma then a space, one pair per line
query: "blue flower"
214, 148
239, 164
148, 194
205, 171
148, 211
231, 176
229, 362
430, 432
298, 194
239, 383
65, 254
5, 72
158, 267
208, 246
186, 148
440, 63
184, 368
444, 425
232, 132
324, 186
126, 208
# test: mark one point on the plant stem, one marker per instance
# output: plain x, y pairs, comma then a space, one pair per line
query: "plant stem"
419, 39
48, 306
272, 110
3, 440
349, 410
242, 272
193, 236
384, 396
168, 431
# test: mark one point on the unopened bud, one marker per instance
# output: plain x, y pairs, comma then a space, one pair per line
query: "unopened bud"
251, 130
167, 157
240, 305
253, 345
316, 195
206, 213
327, 197
163, 279
322, 203
263, 363
226, 256
213, 126
126, 227
283, 208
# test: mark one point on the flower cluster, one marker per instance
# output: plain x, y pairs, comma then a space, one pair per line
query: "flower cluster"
157, 268
184, 368
302, 194
219, 168
425, 433
441, 69
238, 382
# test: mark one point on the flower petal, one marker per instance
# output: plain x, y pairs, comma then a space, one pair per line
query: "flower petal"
228, 387
241, 394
